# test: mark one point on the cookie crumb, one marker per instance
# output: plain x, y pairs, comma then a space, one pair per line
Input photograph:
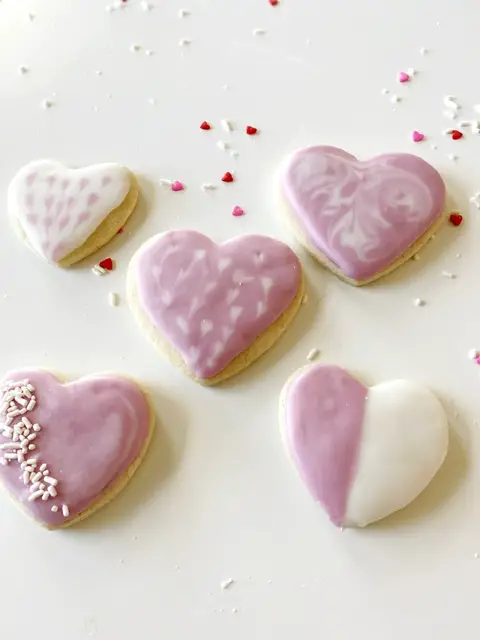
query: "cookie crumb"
313, 354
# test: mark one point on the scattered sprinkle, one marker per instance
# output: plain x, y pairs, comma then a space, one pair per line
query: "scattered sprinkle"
146, 6
225, 584
449, 275
65, 510
208, 186
274, 2
472, 354
176, 185
23, 70
453, 157
395, 98
234, 153
450, 114
251, 131
107, 264
47, 104
135, 48
226, 125
149, 52
411, 71
98, 271
184, 42
423, 51
313, 354
476, 200
259, 32
183, 13
113, 299
418, 302
228, 177
385, 91
434, 147
238, 211
221, 144
456, 219
417, 136
456, 135
165, 182
205, 126
451, 103
31, 17
403, 77
152, 101
54, 508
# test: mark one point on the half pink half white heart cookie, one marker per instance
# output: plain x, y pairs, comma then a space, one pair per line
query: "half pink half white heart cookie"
68, 449
363, 453
361, 219
64, 214
214, 309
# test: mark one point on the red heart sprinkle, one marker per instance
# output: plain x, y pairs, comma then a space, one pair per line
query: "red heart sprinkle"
251, 131
120, 230
227, 177
274, 2
205, 126
456, 219
456, 135
106, 263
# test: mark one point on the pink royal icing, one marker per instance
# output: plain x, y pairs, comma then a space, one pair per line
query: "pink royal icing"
212, 301
58, 208
92, 430
324, 412
362, 215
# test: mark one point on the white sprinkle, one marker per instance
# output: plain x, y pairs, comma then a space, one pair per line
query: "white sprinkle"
423, 51
47, 104
43, 467
234, 153
385, 91
411, 71
26, 422
448, 274
46, 472
98, 270
54, 508
149, 52
465, 123
37, 427
20, 456
52, 481
31, 437
23, 70
3, 462
36, 494
222, 145
447, 132
225, 584
134, 48
146, 6
52, 491
65, 510
312, 354
226, 125
10, 445
183, 13
32, 461
26, 478
21, 401
165, 183
31, 17
234, 610
32, 403
113, 299
37, 477
10, 456
418, 302
453, 157
208, 186
395, 98
450, 114
474, 200
8, 420
183, 42
46, 495
472, 354
152, 101
31, 447
30, 387
451, 103
13, 414
26, 392
259, 32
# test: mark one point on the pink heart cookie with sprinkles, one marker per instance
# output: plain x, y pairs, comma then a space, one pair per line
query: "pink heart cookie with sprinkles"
214, 309
64, 214
362, 452
68, 449
361, 219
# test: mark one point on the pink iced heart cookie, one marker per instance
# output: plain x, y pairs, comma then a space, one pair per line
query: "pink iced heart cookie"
361, 219
64, 214
68, 449
362, 452
213, 309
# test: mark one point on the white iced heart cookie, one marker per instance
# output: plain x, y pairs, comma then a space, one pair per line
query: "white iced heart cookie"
362, 452
64, 214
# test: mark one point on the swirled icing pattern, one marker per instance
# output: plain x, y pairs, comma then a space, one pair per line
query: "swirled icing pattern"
93, 429
362, 215
212, 301
59, 208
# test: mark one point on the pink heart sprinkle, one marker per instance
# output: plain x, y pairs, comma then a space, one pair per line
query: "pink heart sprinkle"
177, 186
403, 77
417, 136
238, 211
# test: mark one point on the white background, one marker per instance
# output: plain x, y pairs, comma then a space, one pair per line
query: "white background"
216, 496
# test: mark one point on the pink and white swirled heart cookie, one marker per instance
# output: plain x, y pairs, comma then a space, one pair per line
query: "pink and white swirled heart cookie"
64, 214
361, 219
68, 449
214, 309
363, 453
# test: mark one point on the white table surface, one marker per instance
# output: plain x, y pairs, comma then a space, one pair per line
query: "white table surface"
216, 496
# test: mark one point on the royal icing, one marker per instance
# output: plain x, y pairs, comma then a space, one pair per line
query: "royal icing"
87, 434
362, 452
362, 215
59, 208
212, 301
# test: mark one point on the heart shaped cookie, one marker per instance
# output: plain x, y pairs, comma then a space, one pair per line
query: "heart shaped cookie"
362, 452
361, 219
68, 449
64, 214
214, 309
